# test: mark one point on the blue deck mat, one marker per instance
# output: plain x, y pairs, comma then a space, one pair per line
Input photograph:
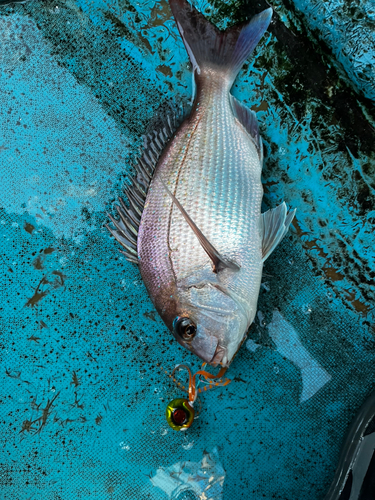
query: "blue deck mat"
82, 398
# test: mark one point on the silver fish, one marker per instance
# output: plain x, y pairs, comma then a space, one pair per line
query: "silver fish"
194, 222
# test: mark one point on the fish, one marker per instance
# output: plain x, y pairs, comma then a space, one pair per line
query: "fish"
193, 222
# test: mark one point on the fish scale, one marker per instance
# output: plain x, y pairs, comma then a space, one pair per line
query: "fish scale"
201, 238
234, 184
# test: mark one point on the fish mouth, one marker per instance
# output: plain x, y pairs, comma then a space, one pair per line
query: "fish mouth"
218, 356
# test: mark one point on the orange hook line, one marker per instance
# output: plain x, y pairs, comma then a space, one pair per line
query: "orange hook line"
192, 380
210, 376
193, 391
174, 379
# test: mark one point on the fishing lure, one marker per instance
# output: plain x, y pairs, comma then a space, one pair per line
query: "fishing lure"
180, 412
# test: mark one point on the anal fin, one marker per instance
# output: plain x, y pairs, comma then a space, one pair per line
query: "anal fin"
248, 120
275, 224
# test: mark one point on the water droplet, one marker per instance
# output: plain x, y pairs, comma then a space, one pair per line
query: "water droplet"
188, 446
306, 309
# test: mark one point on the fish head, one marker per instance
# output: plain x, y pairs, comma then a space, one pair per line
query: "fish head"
210, 323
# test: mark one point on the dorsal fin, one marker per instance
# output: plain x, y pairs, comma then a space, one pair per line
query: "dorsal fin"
125, 229
219, 262
248, 119
275, 225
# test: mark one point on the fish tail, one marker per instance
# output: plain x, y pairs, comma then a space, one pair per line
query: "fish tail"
211, 49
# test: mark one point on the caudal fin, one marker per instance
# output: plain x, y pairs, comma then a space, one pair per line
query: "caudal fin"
210, 48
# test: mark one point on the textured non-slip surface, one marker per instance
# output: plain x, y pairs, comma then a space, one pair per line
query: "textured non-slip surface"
82, 398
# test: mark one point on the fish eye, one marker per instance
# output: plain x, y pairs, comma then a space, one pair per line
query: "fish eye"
184, 327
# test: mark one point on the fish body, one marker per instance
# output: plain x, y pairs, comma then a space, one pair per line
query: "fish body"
214, 170
202, 240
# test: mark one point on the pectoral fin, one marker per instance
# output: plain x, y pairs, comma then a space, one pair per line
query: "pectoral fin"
275, 223
219, 262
